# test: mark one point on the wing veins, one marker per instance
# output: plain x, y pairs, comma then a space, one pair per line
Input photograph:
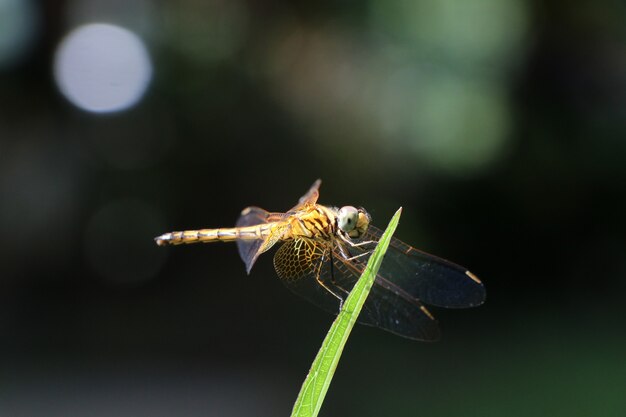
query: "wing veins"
380, 280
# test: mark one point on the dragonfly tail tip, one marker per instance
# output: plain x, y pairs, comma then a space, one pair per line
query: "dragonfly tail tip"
161, 240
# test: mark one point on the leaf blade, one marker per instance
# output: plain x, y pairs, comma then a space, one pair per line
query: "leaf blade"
317, 382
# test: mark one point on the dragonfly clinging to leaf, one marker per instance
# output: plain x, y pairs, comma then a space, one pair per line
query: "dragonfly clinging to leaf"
325, 249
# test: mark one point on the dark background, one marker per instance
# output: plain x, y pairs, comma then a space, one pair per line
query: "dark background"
499, 126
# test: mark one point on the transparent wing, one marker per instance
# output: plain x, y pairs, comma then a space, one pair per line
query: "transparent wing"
249, 250
387, 306
310, 197
426, 277
298, 263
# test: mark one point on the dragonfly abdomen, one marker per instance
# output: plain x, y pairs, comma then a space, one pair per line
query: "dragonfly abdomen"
214, 235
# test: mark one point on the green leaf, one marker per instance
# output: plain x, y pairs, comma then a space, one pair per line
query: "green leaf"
318, 380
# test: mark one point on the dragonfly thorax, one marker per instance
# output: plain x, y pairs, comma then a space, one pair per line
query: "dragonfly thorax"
352, 221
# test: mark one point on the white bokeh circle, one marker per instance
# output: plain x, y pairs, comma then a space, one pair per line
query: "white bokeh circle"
102, 68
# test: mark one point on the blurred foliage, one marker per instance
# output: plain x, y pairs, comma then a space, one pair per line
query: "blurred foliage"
497, 125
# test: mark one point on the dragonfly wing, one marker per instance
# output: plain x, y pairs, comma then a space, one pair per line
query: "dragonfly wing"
387, 306
249, 250
310, 197
428, 278
299, 264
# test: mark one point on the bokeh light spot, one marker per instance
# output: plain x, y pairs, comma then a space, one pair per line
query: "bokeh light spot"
102, 68
470, 33
478, 135
456, 125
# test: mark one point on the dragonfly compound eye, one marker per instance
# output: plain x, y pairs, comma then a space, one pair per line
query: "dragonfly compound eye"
347, 218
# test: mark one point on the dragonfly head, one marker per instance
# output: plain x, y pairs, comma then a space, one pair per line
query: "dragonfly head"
352, 221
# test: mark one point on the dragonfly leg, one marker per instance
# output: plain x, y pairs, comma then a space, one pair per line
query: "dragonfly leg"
332, 274
352, 258
356, 245
347, 256
332, 280
367, 242
338, 297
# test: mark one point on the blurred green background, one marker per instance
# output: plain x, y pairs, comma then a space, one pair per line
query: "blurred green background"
499, 126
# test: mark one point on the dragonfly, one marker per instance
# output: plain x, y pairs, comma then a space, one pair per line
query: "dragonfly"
324, 251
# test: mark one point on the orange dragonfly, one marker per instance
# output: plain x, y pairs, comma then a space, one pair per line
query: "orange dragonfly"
324, 251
